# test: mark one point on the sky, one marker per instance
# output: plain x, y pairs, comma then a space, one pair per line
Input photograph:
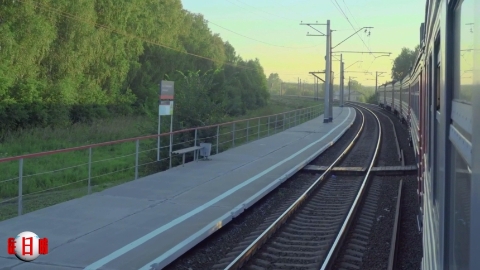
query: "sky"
270, 30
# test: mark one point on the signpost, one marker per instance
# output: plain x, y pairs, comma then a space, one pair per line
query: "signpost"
165, 107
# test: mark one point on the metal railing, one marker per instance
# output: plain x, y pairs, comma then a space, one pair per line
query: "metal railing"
51, 177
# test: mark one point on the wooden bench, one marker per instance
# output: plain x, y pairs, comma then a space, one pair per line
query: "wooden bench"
187, 150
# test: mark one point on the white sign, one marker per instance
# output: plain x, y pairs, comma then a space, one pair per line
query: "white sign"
165, 108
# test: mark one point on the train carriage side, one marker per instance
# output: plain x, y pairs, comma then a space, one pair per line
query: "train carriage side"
448, 227
415, 112
397, 86
388, 96
405, 100
436, 100
381, 95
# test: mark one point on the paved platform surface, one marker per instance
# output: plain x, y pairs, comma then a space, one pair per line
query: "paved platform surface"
153, 220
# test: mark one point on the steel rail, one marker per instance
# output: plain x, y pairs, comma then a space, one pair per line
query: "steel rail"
260, 240
396, 230
331, 256
397, 141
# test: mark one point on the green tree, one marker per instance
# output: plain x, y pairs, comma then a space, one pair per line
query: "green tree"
403, 63
68, 61
274, 83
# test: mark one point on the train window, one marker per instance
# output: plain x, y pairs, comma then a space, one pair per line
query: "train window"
437, 73
460, 212
461, 174
464, 82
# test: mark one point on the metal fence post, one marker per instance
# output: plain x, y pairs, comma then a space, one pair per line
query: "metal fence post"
276, 122
20, 186
218, 135
170, 150
268, 126
258, 129
195, 156
283, 125
195, 141
248, 126
137, 146
233, 134
89, 170
295, 119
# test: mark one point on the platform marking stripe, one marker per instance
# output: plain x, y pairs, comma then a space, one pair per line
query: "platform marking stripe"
114, 255
213, 226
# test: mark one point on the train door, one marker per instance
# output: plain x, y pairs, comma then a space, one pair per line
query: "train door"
385, 96
436, 68
393, 98
431, 119
409, 102
400, 100
421, 106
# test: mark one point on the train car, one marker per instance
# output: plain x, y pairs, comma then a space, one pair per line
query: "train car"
435, 100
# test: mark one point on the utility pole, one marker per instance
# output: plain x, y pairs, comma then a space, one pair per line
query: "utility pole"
328, 64
301, 87
349, 85
341, 81
314, 73
376, 83
349, 79
329, 81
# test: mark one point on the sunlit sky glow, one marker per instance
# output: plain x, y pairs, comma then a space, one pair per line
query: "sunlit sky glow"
396, 25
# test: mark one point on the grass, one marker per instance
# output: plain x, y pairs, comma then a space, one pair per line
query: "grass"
60, 177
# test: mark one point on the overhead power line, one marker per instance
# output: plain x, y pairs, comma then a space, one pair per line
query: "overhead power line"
348, 20
263, 10
270, 19
351, 14
260, 40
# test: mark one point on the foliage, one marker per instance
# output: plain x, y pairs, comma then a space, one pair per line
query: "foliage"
404, 62
372, 99
65, 62
112, 164
274, 83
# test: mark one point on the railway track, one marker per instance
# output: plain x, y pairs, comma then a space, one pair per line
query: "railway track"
309, 232
312, 221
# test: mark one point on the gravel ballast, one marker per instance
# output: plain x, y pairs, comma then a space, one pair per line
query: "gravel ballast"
215, 248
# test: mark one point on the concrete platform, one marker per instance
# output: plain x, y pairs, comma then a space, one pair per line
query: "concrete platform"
154, 220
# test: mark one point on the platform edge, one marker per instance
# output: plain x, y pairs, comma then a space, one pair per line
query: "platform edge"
184, 246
